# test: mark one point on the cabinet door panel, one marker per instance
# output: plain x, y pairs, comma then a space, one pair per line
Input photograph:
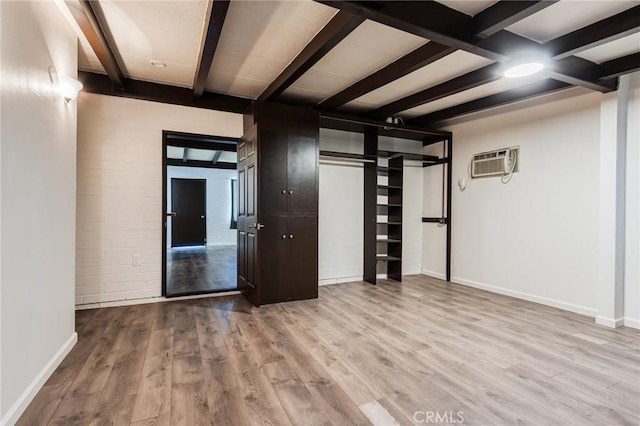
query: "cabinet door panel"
302, 257
302, 165
273, 259
273, 171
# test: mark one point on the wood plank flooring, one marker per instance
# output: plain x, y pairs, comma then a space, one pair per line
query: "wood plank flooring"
391, 354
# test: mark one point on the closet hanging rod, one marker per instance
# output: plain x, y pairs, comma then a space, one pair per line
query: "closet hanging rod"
384, 125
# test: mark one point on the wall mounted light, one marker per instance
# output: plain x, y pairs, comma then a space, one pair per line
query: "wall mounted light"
68, 87
523, 69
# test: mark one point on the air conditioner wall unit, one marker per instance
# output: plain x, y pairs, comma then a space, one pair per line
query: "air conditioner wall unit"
495, 163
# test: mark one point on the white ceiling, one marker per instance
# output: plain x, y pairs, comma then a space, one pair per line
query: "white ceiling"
566, 16
260, 38
368, 48
451, 66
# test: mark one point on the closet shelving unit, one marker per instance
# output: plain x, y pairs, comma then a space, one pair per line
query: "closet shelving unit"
389, 247
383, 239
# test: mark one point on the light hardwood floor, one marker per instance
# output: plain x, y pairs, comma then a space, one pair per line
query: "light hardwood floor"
394, 352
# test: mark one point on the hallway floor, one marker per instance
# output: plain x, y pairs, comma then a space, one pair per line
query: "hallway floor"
201, 269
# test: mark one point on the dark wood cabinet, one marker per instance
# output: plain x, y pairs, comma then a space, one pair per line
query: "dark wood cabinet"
285, 259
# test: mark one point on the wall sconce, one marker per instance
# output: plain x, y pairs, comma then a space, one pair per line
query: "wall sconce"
68, 87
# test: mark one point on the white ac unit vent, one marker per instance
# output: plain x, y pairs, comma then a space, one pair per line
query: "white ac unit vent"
495, 163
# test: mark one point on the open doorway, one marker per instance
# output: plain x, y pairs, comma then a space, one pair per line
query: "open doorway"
200, 208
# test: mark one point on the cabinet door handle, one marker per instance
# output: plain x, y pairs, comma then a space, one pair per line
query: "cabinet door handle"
291, 236
284, 237
290, 192
284, 191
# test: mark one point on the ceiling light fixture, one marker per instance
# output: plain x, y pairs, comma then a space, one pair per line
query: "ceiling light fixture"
68, 87
158, 64
523, 69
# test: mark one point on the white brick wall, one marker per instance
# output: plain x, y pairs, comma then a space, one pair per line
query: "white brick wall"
120, 191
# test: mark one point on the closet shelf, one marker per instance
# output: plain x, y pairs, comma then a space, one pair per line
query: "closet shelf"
386, 258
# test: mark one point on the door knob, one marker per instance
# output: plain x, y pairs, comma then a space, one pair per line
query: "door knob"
256, 226
201, 217
172, 214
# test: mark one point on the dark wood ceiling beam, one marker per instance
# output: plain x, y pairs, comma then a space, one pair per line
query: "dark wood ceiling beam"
101, 84
493, 19
533, 90
421, 57
216, 14
201, 164
601, 32
504, 13
340, 26
451, 87
428, 19
619, 66
446, 26
88, 17
209, 146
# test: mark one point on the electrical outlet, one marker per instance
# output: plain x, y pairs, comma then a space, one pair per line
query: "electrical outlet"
135, 260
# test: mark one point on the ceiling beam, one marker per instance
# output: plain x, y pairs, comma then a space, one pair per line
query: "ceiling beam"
210, 146
451, 87
596, 34
619, 66
143, 90
216, 157
446, 26
215, 16
503, 14
340, 26
532, 90
88, 16
493, 19
421, 57
201, 164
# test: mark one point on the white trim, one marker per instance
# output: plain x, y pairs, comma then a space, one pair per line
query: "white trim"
633, 323
609, 322
433, 274
31, 391
229, 244
583, 310
330, 281
158, 299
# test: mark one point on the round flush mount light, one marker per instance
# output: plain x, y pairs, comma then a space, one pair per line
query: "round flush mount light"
158, 64
524, 69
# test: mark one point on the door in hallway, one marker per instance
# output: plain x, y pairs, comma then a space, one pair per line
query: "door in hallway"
189, 212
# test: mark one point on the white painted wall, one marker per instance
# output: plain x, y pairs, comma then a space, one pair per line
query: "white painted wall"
38, 183
218, 195
632, 235
536, 237
120, 191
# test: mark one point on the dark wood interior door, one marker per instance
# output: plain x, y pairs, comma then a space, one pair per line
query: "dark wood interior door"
189, 212
248, 226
